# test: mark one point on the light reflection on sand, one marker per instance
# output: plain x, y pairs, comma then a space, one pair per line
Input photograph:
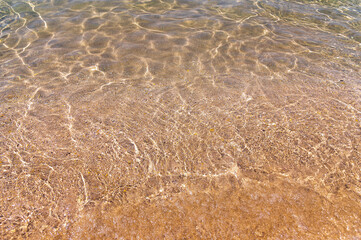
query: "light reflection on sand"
180, 119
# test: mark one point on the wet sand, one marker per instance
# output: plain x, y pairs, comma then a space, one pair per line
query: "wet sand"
180, 120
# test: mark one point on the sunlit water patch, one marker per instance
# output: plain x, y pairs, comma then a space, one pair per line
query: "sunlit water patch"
180, 119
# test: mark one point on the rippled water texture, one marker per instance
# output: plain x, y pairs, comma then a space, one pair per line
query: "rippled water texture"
180, 119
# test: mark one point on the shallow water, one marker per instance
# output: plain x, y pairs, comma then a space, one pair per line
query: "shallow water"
180, 119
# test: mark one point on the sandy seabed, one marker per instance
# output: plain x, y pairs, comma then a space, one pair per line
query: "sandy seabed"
180, 120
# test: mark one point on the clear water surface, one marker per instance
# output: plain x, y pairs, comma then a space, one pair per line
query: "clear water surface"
180, 119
